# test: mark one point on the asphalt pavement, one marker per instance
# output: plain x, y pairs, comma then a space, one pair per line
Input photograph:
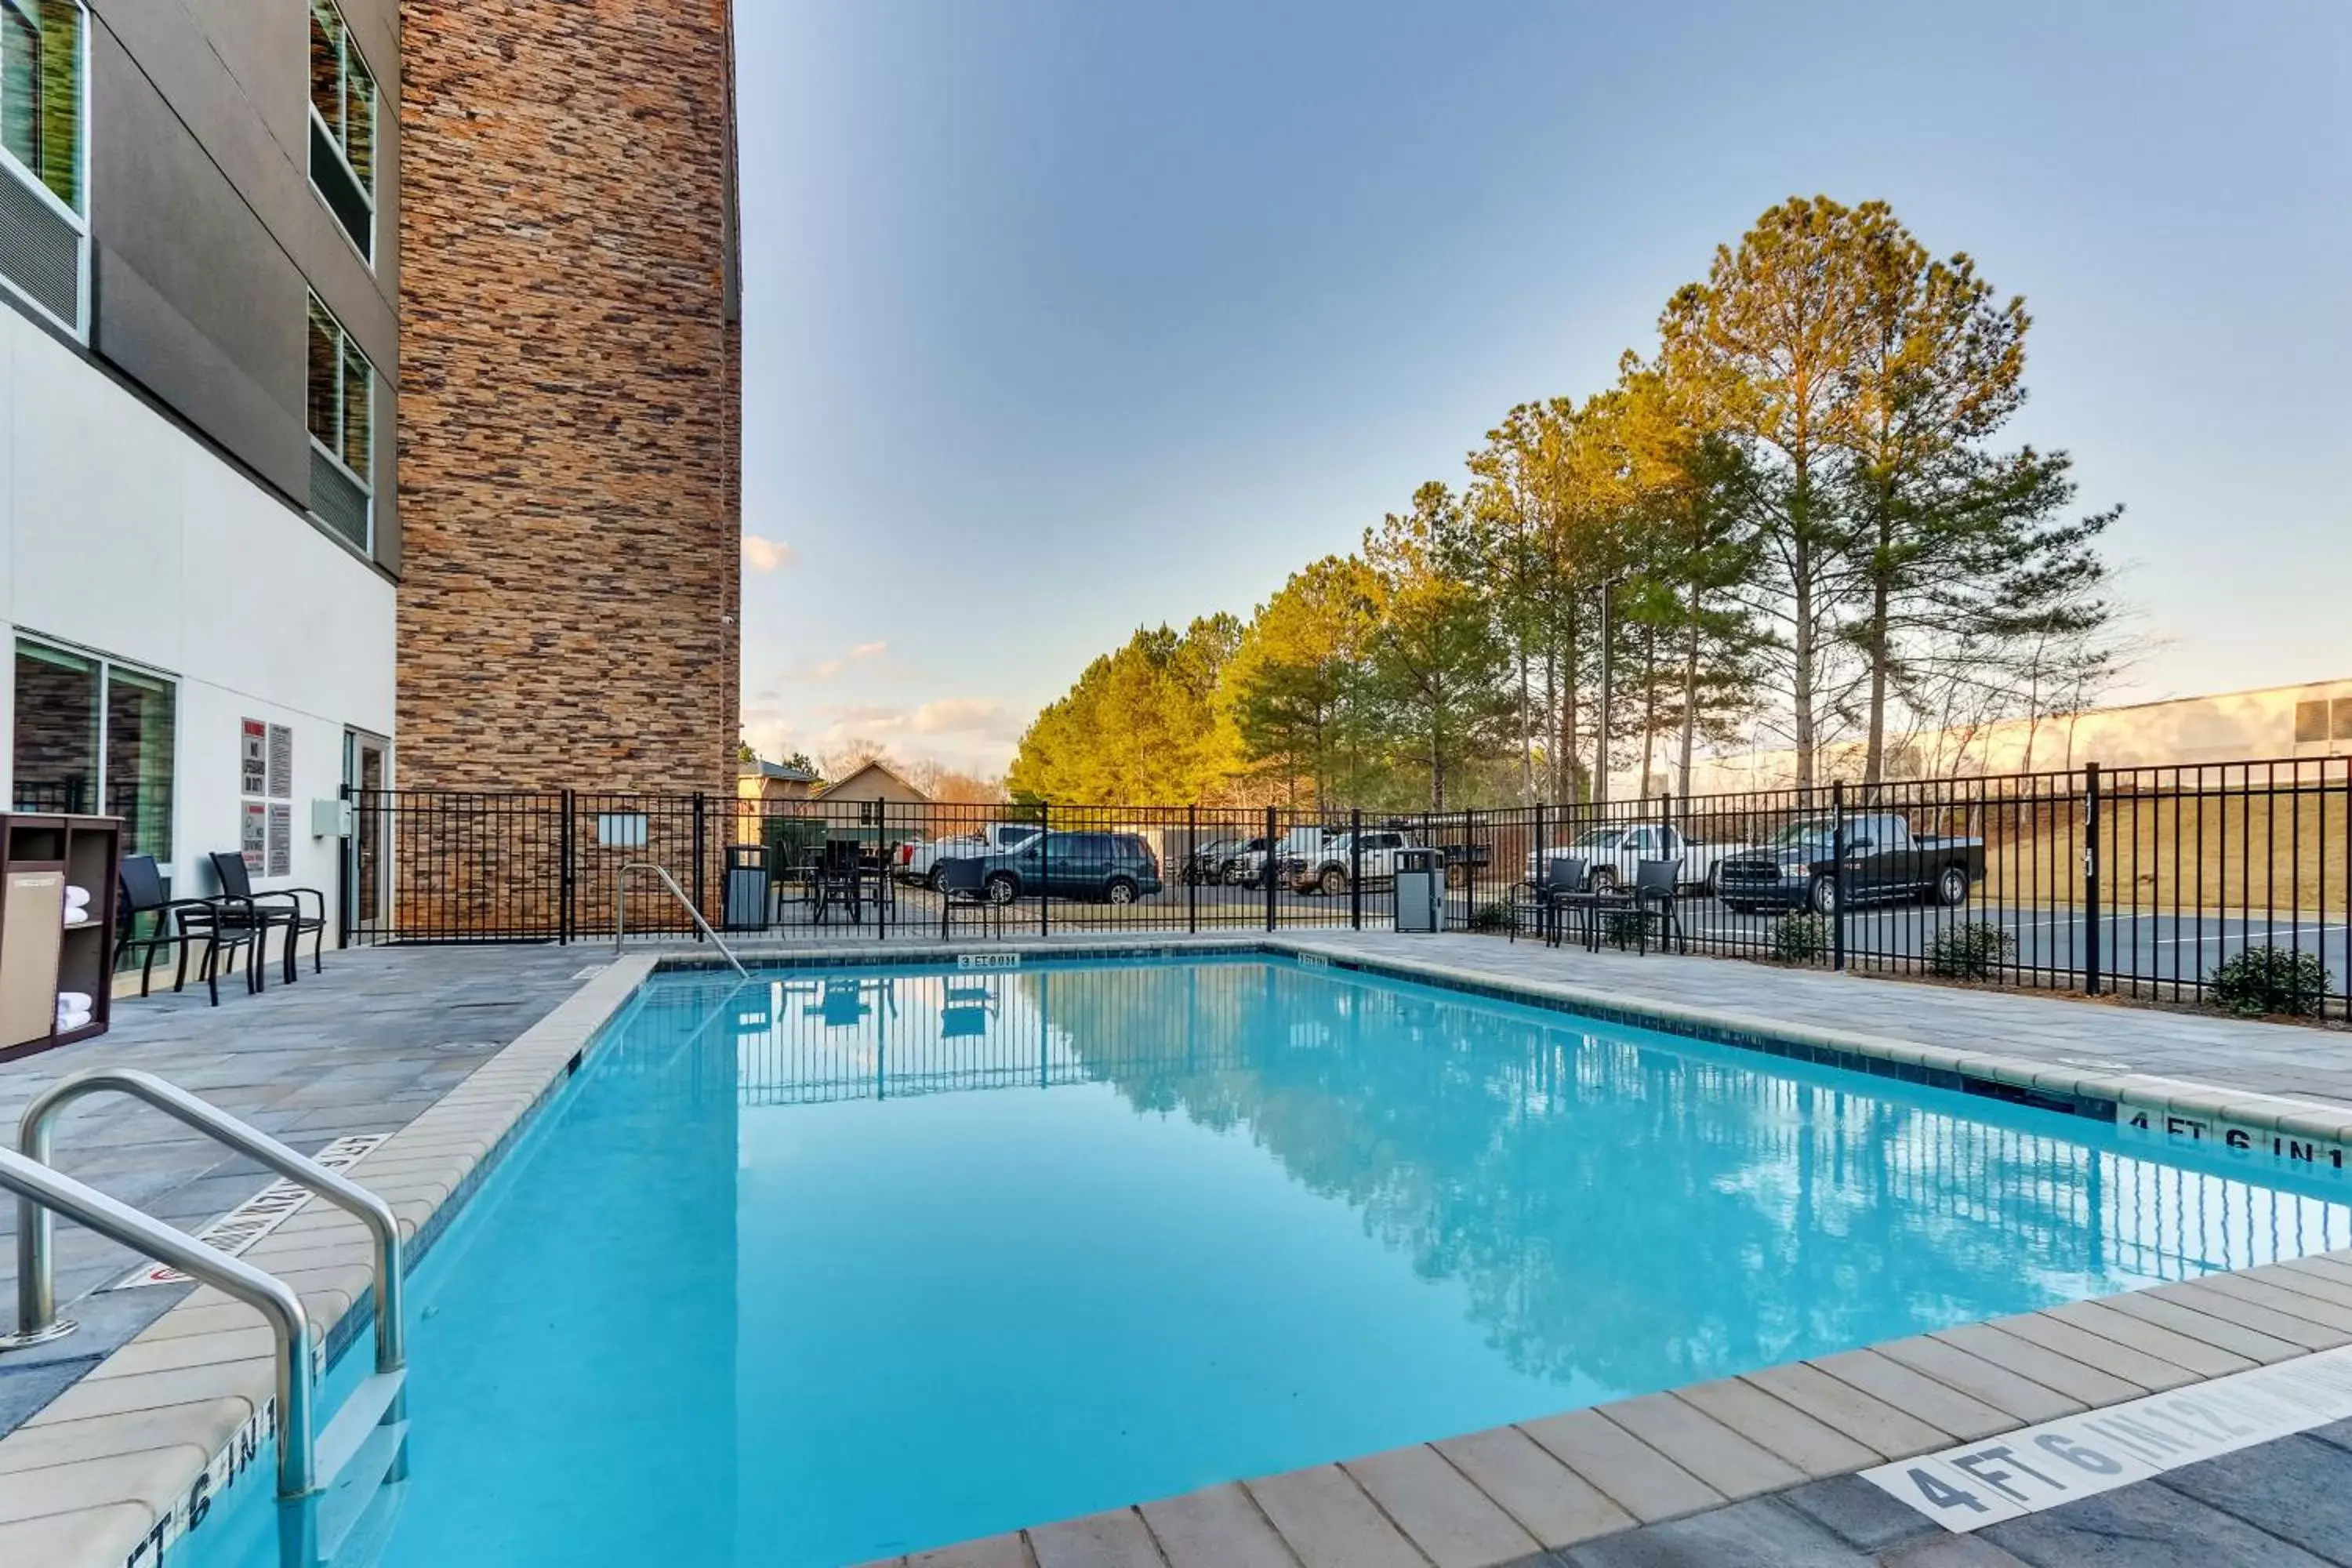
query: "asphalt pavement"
2164, 950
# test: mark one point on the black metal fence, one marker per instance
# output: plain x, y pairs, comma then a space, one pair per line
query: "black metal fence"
2144, 881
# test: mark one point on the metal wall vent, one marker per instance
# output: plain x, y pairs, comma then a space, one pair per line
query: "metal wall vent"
336, 500
40, 252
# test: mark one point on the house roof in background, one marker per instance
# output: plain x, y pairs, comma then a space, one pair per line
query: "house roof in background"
767, 769
876, 767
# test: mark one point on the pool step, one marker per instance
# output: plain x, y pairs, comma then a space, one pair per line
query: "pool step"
362, 1448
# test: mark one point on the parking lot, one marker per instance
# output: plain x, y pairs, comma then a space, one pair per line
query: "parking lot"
2164, 951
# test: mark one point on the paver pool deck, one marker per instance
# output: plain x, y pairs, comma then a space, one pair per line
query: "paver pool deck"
449, 1050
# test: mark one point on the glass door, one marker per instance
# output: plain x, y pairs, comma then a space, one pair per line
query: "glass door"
366, 888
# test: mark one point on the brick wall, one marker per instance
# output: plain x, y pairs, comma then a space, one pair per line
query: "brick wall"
569, 437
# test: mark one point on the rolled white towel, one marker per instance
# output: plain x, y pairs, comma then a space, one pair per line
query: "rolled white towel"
68, 1022
74, 1001
76, 897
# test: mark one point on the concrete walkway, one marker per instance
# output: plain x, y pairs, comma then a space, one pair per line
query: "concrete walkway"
2064, 1031
2283, 1504
363, 1047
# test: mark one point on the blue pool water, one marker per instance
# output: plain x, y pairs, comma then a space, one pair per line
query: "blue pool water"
827, 1268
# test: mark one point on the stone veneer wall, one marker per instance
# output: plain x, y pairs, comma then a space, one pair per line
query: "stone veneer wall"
570, 440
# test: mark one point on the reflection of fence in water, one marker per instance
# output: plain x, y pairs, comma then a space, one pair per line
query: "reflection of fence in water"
2075, 1207
842, 1038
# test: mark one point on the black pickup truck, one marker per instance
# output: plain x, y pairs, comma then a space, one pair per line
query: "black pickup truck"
1884, 861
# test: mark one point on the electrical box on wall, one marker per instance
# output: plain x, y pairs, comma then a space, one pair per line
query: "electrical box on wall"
330, 819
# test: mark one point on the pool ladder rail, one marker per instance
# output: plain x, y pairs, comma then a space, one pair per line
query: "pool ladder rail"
326, 1480
621, 910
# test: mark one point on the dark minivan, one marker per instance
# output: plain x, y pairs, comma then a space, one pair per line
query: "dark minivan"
1115, 868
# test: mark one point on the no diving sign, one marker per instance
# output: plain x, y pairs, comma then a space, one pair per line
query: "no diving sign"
259, 1214
2036, 1467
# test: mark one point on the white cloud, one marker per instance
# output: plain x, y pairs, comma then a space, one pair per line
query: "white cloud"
768, 554
962, 716
826, 668
971, 733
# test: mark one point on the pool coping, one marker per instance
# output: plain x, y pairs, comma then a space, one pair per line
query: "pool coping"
121, 1463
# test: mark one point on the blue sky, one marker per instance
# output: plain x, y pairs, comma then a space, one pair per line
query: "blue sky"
1067, 316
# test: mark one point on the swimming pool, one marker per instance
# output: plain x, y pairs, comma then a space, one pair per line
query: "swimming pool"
840, 1264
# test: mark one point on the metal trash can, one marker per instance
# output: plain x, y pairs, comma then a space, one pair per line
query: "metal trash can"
746, 907
1420, 891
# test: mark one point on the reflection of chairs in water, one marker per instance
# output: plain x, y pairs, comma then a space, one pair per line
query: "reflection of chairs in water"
966, 1011
843, 1002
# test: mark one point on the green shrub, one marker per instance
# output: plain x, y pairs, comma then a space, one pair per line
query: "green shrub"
1972, 950
1800, 937
1493, 918
1624, 927
2270, 980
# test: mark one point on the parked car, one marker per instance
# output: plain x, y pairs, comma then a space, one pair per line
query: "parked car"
1337, 859
1613, 854
920, 862
1115, 868
1208, 863
1885, 860
1247, 865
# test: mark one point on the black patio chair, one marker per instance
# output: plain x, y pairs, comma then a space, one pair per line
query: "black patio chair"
280, 906
1655, 895
964, 885
178, 923
1562, 891
839, 880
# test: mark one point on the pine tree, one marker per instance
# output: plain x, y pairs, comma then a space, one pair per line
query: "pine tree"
1436, 668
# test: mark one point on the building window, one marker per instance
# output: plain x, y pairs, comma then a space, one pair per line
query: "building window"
343, 430
93, 736
2343, 730
2310, 723
342, 127
42, 56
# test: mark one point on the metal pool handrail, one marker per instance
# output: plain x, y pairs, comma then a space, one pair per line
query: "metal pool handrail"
40, 1190
37, 1305
621, 903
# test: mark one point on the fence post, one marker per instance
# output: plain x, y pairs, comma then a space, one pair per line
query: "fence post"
1538, 874
885, 889
1192, 869
567, 878
2091, 954
1356, 868
347, 871
701, 854
1271, 869
1044, 866
1469, 846
1837, 873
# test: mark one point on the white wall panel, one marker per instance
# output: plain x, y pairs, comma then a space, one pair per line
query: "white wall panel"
122, 534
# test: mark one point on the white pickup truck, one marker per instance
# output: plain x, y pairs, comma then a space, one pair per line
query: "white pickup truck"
1325, 866
920, 861
1611, 855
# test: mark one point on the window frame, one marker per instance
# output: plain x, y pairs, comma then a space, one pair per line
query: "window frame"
106, 665
75, 213
346, 348
346, 51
